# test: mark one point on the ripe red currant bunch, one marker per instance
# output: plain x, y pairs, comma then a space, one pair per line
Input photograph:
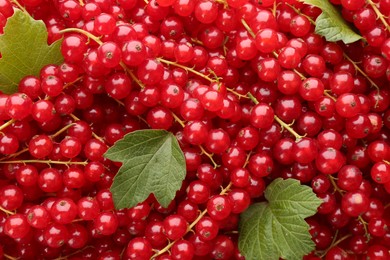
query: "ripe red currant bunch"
250, 90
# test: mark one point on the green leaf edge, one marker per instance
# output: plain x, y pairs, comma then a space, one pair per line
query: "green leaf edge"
263, 207
112, 150
10, 89
321, 28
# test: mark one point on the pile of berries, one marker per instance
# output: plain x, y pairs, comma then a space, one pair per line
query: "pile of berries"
250, 91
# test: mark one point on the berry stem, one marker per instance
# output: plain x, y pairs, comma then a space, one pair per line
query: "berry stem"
379, 14
246, 26
335, 243
280, 121
88, 34
288, 128
93, 134
133, 77
177, 119
250, 31
98, 41
45, 161
61, 130
326, 93
20, 6
186, 68
10, 257
201, 215
6, 211
364, 226
209, 155
14, 154
6, 124
358, 69
182, 123
334, 184
206, 77
74, 253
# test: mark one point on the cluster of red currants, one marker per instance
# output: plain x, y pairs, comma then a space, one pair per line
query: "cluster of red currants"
250, 92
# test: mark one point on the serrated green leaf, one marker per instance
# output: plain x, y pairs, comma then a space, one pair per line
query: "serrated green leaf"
152, 162
331, 24
24, 50
277, 228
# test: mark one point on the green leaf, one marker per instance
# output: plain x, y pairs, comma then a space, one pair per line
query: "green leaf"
24, 50
277, 228
152, 162
331, 24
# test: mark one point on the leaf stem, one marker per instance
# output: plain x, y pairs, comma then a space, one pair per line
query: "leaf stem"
201, 215
6, 124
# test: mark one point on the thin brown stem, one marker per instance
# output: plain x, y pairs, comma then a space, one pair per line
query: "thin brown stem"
210, 156
168, 62
88, 34
177, 119
93, 133
280, 121
7, 124
20, 6
46, 162
6, 211
190, 227
358, 69
379, 14
10, 257
334, 184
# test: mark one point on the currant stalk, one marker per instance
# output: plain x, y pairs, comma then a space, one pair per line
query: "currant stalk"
250, 31
26, 149
283, 124
206, 77
93, 134
341, 192
355, 65
201, 215
379, 14
210, 156
10, 257
6, 124
335, 243
6, 211
49, 162
20, 6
